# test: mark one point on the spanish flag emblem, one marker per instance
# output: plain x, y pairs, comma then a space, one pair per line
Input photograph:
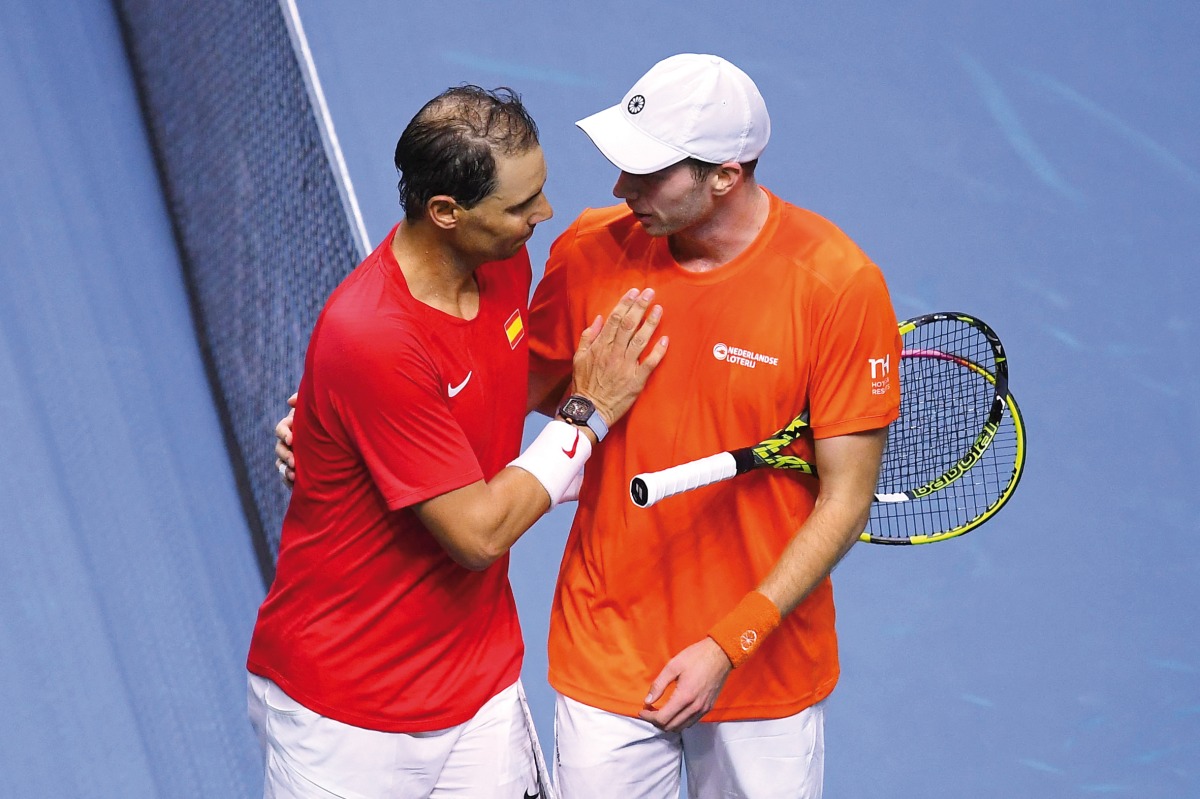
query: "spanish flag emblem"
514, 328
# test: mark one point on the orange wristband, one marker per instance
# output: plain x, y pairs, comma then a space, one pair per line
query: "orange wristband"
743, 630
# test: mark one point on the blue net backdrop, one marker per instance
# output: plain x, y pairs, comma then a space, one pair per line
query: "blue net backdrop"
260, 215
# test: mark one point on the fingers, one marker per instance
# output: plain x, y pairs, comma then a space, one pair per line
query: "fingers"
283, 429
624, 328
637, 312
285, 460
283, 441
615, 322
651, 361
608, 367
698, 673
283, 454
665, 677
645, 332
680, 711
286, 473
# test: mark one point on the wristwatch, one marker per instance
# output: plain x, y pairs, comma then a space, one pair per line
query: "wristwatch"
580, 411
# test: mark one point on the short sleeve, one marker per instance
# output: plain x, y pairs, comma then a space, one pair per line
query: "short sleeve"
389, 399
553, 330
856, 377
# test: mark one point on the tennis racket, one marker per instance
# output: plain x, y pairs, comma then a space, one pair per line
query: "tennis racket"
953, 457
545, 786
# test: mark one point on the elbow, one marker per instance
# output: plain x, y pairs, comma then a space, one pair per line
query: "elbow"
470, 531
852, 513
476, 563
476, 557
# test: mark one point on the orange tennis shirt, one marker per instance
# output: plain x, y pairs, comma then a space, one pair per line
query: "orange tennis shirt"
801, 319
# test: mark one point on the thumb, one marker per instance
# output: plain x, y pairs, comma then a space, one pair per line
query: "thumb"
665, 677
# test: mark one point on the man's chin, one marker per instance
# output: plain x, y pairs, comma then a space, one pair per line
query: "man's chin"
653, 228
504, 255
524, 240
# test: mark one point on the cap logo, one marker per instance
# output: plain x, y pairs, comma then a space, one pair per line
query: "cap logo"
636, 104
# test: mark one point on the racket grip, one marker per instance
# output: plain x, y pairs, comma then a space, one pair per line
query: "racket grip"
649, 487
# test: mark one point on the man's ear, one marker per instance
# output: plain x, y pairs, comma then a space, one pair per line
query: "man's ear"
443, 211
726, 176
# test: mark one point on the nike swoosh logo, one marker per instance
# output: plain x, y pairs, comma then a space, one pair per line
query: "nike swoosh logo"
570, 453
453, 390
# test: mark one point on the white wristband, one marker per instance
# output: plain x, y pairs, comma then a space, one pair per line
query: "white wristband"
572, 494
556, 458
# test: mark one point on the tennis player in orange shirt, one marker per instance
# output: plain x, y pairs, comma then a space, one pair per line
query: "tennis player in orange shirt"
701, 630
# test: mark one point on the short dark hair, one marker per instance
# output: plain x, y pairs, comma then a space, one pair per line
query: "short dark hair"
448, 147
702, 169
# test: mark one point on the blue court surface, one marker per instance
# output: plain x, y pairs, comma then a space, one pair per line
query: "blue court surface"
1034, 163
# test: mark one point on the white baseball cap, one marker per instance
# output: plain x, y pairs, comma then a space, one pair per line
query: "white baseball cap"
686, 106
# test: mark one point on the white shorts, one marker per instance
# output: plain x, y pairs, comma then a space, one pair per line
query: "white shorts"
309, 756
599, 755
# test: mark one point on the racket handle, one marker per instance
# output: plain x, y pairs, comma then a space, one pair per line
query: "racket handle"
649, 487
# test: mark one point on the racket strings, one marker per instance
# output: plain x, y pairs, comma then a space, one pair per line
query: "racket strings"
948, 378
977, 494
944, 403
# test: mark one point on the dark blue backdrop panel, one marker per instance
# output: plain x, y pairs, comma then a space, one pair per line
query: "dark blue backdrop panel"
128, 584
1033, 163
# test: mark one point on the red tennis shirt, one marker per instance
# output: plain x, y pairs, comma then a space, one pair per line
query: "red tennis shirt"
368, 620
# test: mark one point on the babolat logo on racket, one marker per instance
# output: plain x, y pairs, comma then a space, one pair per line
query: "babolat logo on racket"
962, 465
740, 357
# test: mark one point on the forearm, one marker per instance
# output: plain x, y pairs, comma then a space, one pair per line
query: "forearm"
821, 542
478, 523
849, 470
701, 669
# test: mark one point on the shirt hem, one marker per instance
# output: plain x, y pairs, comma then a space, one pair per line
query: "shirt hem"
368, 722
859, 425
745, 712
461, 480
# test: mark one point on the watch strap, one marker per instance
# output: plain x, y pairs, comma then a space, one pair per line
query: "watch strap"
595, 423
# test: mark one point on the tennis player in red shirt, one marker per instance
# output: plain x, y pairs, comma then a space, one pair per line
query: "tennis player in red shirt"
386, 657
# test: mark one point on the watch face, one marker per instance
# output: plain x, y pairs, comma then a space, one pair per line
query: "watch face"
577, 408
